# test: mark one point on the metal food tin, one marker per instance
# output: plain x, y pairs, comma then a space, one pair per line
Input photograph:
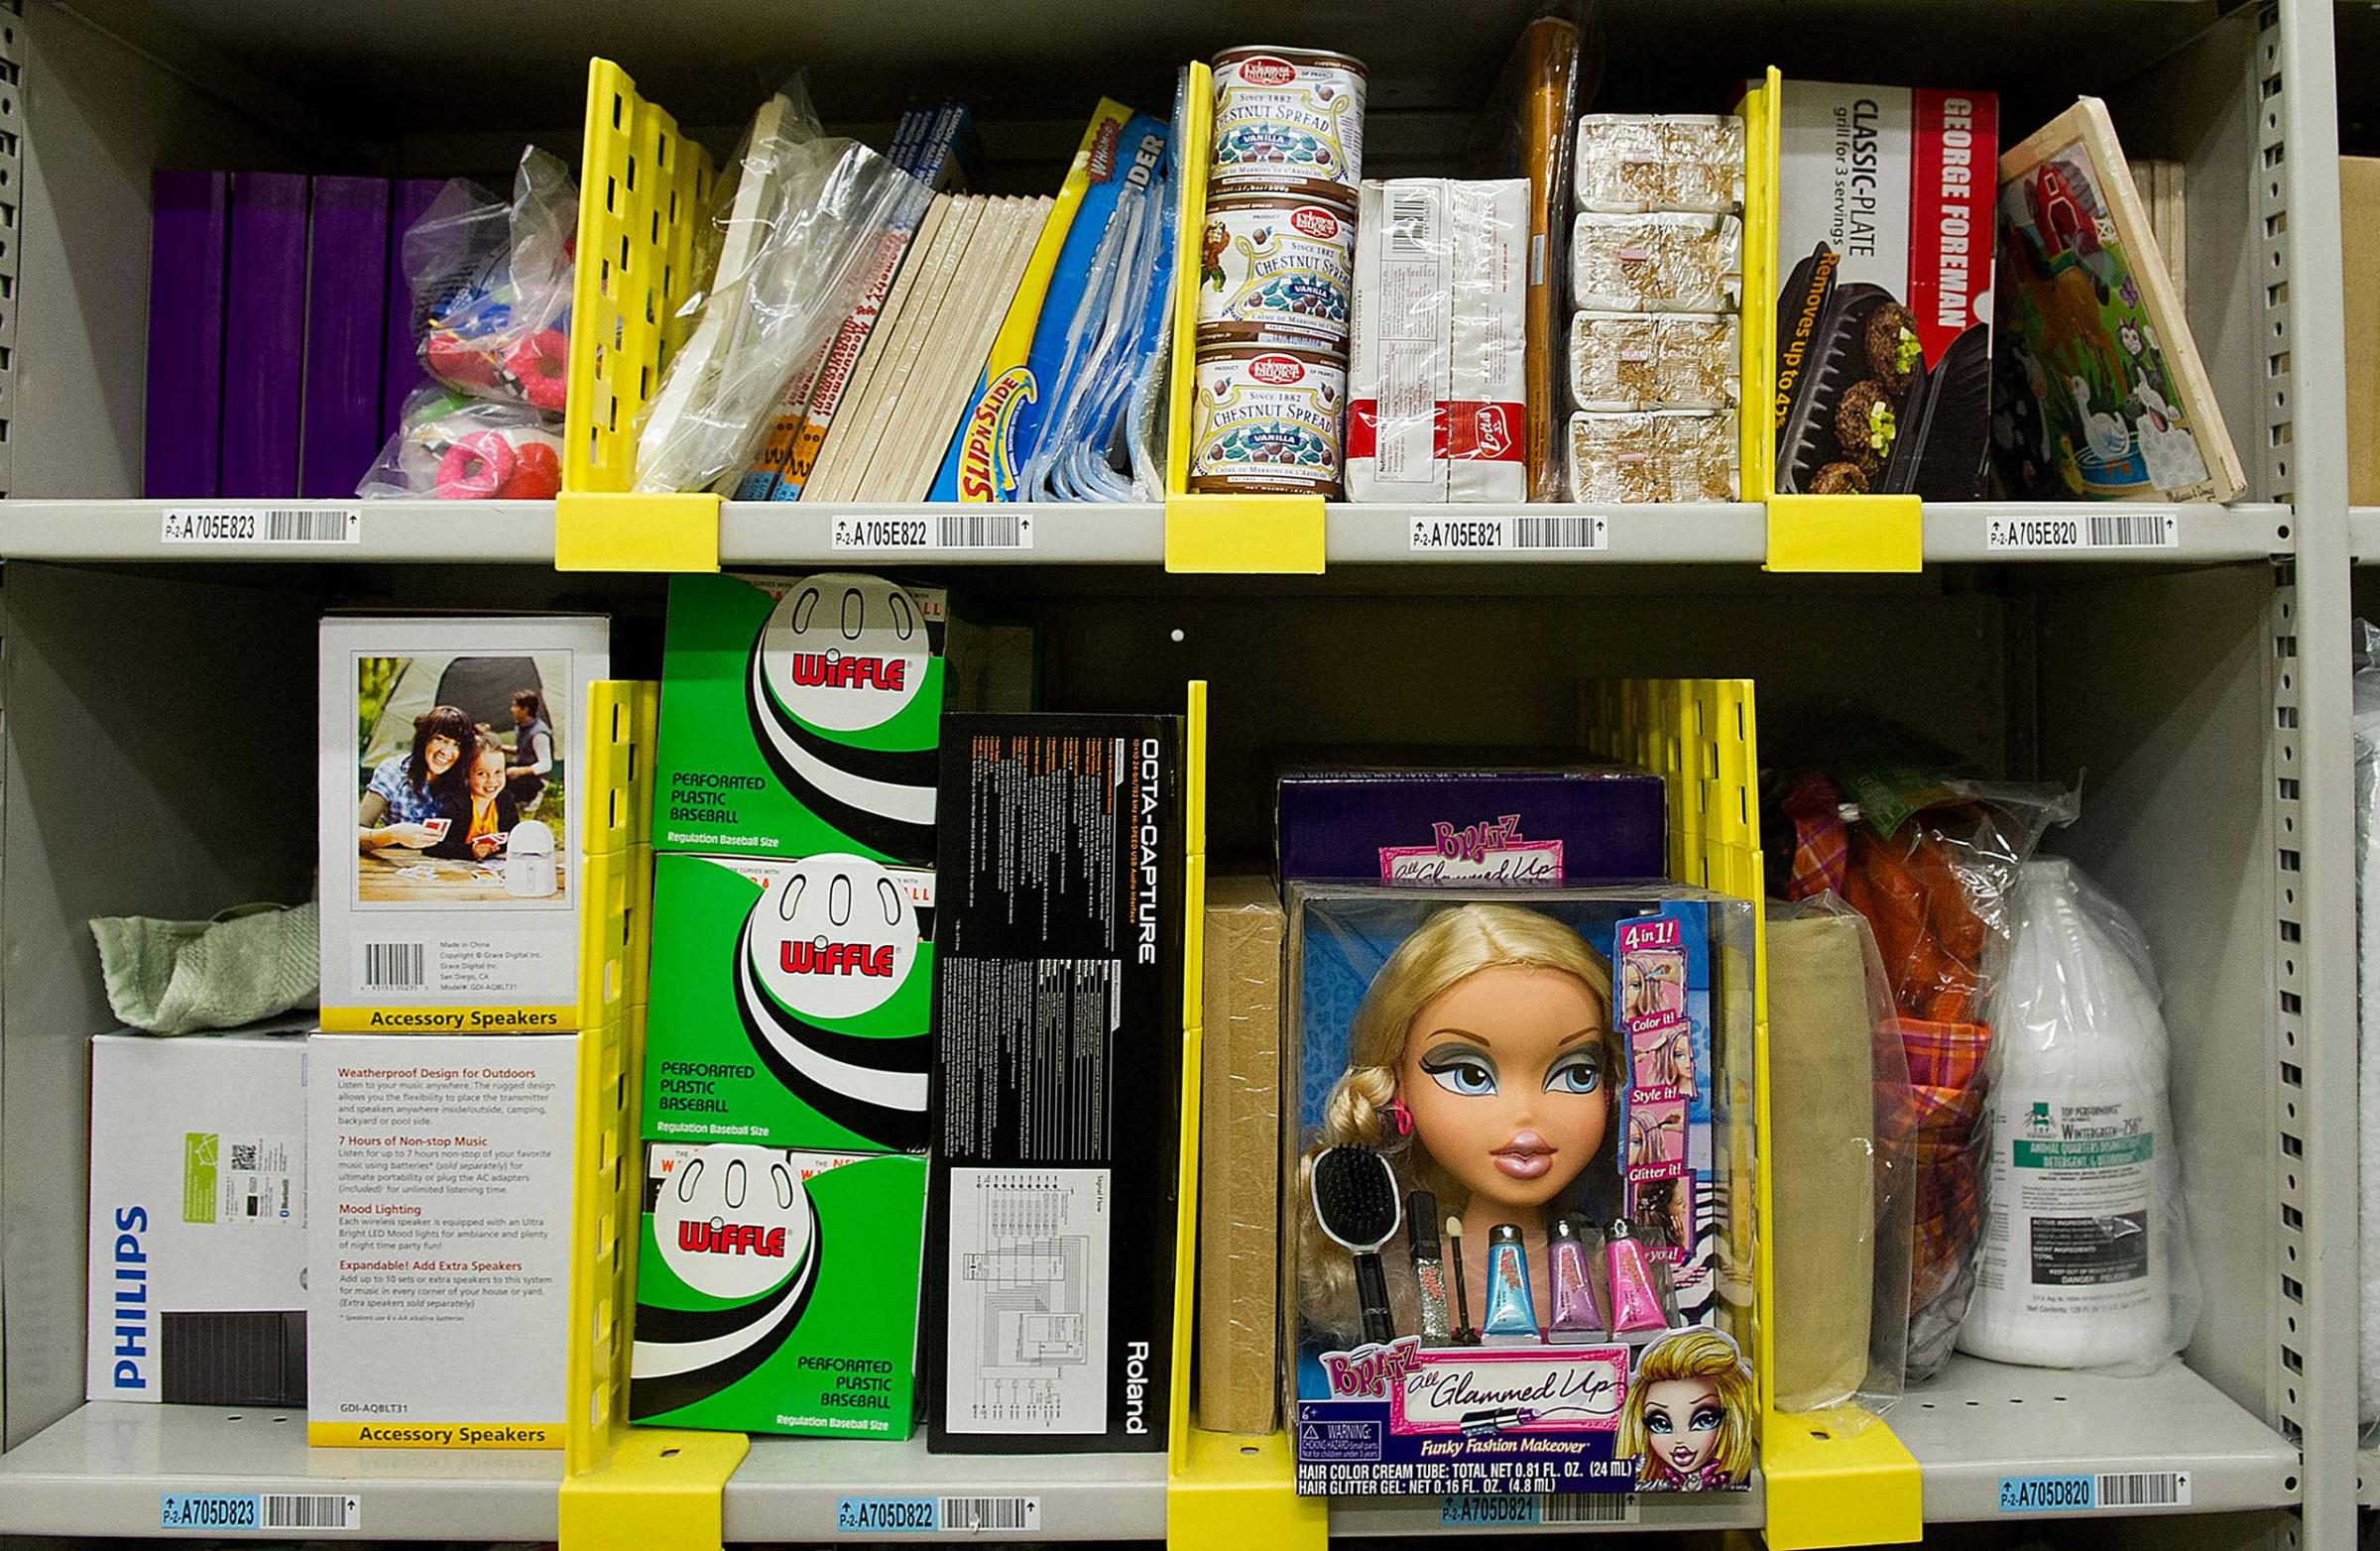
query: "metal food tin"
1276, 270
1290, 112
1268, 421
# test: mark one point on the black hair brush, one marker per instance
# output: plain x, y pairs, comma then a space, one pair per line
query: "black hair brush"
1355, 1202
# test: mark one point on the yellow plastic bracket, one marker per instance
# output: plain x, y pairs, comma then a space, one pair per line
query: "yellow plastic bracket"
1838, 1478
1846, 533
608, 531
1244, 535
661, 1489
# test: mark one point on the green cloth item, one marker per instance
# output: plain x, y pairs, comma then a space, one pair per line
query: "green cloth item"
248, 963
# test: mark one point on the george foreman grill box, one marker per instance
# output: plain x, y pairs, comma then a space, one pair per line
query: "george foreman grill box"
1885, 201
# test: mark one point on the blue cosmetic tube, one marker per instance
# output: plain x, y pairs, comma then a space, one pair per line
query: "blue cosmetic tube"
1511, 1311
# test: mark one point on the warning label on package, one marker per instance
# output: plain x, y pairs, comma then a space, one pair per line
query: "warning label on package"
2089, 1252
2090, 1152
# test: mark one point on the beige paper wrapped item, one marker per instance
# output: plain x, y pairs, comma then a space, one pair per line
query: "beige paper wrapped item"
1665, 262
1240, 1158
1645, 162
1822, 1131
1680, 456
1654, 361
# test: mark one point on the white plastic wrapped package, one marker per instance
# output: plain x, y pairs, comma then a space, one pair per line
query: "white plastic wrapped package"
2366, 726
491, 283
453, 448
1654, 360
799, 233
1678, 455
1661, 263
2084, 1260
1635, 162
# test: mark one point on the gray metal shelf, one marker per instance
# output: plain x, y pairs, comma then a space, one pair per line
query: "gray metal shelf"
107, 1467
789, 1489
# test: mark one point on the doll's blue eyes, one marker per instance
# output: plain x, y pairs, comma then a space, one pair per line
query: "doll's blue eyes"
1706, 1419
1460, 1075
1657, 1422
1580, 1074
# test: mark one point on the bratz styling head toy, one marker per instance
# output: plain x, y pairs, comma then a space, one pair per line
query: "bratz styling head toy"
1482, 1063
1689, 1415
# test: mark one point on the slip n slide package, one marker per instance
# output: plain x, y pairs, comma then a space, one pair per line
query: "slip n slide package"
1508, 1280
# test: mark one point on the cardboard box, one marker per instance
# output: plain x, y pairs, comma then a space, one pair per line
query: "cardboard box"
792, 1004
1240, 1158
776, 1291
799, 717
428, 927
1886, 202
1511, 821
440, 1173
198, 1238
2359, 226
1058, 1027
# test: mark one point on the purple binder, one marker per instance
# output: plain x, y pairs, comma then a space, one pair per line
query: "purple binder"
346, 324
402, 355
264, 334
184, 413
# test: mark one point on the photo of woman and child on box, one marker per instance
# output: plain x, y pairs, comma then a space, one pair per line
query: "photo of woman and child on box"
462, 785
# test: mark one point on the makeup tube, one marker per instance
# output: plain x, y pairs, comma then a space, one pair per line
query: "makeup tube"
1635, 1296
1465, 1335
1429, 1270
1575, 1314
1511, 1311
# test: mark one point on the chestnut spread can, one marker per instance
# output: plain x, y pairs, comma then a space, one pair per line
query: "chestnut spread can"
1277, 269
1291, 112
1269, 421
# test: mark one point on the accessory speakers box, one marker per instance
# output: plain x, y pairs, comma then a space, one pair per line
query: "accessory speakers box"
1058, 1027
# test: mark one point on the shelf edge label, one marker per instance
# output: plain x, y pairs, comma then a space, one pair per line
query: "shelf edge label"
1451, 531
956, 528
2084, 531
240, 524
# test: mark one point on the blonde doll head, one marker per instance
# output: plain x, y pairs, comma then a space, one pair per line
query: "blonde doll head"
1690, 1410
1482, 1060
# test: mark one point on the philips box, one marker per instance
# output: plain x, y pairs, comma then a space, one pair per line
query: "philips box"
799, 717
1510, 822
790, 1003
455, 762
1058, 1085
776, 1291
197, 1247
442, 1181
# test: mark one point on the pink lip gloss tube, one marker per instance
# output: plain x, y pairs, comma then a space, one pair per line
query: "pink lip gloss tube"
1576, 1318
1636, 1296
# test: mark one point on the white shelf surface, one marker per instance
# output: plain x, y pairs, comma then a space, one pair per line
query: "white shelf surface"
768, 533
789, 1489
1980, 1422
105, 1469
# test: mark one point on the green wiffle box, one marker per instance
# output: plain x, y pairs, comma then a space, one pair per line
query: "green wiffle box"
790, 1003
776, 1291
799, 717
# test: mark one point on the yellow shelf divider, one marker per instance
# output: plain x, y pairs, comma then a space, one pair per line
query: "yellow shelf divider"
644, 190
1222, 1491
1846, 533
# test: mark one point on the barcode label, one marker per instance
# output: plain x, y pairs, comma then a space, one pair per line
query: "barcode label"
290, 1510
2144, 1489
967, 1515
394, 966
2086, 531
1575, 532
263, 524
1590, 1507
1410, 230
985, 528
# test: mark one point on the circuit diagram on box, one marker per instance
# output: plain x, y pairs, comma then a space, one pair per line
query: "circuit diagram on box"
1029, 1298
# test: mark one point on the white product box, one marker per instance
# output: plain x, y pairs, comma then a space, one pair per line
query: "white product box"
199, 1246
443, 1194
1436, 390
449, 909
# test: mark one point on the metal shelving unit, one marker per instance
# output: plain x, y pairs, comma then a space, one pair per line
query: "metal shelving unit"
2202, 683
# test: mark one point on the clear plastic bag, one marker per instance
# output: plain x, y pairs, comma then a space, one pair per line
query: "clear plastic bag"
452, 447
491, 283
1932, 863
2085, 1256
800, 227
1840, 1157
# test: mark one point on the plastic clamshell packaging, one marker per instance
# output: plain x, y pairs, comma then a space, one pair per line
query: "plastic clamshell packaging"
1267, 421
1654, 361
1287, 112
1681, 456
1631, 162
1661, 263
1277, 269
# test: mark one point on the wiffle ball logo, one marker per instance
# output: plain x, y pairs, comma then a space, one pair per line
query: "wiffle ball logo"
843, 654
732, 1223
832, 939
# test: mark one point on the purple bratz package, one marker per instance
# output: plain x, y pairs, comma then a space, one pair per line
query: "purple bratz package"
1508, 1191
1472, 826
